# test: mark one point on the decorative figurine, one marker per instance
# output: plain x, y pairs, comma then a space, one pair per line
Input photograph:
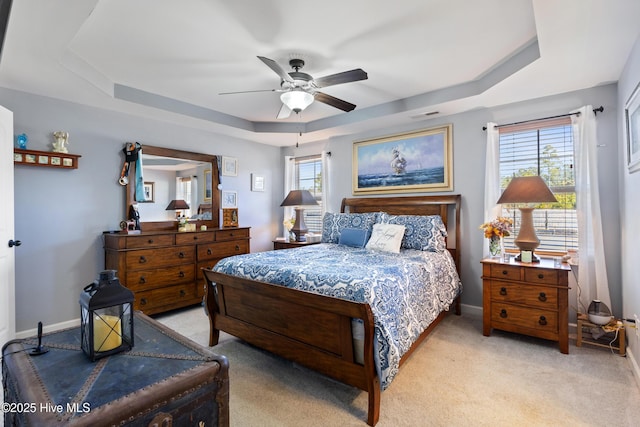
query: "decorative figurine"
61, 142
22, 140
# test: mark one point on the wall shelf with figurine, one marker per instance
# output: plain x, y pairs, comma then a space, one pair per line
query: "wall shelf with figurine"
50, 159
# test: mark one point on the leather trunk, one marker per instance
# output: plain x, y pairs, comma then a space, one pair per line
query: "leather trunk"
166, 379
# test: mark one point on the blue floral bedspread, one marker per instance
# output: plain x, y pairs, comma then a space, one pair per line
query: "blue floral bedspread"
406, 291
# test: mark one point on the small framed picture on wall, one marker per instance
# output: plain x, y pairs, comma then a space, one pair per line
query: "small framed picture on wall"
229, 199
632, 118
257, 182
229, 166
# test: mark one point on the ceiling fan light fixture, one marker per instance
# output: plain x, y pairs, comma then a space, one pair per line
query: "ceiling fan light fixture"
296, 100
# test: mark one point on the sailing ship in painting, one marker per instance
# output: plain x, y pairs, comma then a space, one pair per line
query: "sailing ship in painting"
398, 163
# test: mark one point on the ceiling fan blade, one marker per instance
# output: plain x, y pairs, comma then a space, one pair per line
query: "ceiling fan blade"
339, 78
250, 91
284, 112
277, 68
334, 102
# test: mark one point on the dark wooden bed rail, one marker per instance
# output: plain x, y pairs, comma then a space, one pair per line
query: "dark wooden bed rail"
315, 330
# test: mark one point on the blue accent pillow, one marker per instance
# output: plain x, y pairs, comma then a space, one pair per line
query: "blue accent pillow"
422, 232
334, 223
354, 237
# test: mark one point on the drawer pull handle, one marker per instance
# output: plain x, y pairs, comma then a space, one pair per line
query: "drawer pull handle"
142, 260
542, 321
181, 255
503, 291
143, 301
182, 292
237, 248
150, 241
209, 251
503, 313
181, 274
142, 280
542, 297
540, 276
505, 272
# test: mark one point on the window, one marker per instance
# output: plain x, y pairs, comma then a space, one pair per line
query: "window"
183, 191
308, 176
543, 148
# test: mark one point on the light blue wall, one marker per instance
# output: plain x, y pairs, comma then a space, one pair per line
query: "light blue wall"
60, 214
469, 142
630, 208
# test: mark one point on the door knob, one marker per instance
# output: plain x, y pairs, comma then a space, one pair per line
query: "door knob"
13, 243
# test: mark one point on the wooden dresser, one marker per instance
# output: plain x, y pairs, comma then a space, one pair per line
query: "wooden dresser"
526, 298
163, 268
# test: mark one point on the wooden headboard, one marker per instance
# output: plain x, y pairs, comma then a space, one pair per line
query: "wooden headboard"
448, 207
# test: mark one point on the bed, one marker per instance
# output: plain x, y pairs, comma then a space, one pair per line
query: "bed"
332, 322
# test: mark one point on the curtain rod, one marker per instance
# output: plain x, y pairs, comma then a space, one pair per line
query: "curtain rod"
595, 111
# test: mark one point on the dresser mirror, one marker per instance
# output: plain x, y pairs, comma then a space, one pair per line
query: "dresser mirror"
164, 170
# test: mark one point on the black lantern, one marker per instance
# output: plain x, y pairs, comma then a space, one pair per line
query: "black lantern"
106, 317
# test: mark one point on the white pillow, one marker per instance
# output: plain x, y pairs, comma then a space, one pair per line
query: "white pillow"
386, 237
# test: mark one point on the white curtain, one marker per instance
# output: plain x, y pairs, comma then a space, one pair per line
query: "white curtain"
592, 271
289, 184
492, 178
326, 190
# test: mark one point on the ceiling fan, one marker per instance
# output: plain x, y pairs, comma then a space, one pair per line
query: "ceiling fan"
299, 89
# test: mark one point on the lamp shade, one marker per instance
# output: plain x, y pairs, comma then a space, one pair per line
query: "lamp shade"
527, 189
299, 198
296, 100
177, 204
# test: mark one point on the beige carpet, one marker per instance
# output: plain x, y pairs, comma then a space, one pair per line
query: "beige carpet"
457, 377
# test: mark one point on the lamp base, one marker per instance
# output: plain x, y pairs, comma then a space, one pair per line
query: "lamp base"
299, 227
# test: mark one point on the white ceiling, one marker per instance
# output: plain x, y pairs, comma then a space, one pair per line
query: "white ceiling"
170, 59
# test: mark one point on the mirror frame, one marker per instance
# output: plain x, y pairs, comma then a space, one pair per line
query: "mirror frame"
213, 223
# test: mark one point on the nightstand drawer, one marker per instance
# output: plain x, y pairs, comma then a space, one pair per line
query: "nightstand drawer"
535, 296
542, 276
530, 318
506, 272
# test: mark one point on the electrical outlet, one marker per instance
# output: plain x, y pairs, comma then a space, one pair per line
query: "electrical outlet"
635, 316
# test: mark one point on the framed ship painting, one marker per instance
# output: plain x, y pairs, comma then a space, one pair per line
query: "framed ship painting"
411, 162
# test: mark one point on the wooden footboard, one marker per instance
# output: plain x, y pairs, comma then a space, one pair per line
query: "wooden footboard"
309, 329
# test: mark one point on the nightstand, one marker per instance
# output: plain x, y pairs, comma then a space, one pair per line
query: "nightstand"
283, 244
526, 298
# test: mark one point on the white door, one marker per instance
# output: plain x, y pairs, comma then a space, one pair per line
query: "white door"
7, 257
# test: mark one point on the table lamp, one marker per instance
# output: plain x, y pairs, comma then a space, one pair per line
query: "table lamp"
299, 198
526, 190
177, 205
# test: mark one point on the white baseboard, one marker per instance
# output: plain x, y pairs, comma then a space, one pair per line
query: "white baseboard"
633, 364
49, 328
